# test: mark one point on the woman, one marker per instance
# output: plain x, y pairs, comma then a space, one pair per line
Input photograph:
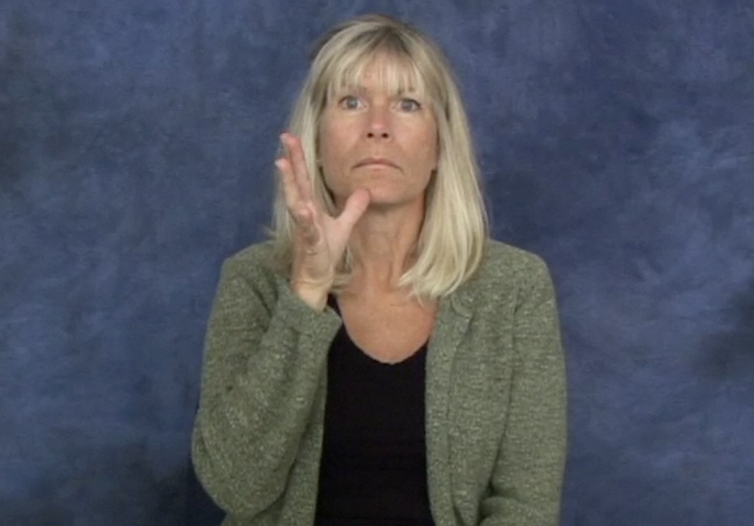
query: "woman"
381, 361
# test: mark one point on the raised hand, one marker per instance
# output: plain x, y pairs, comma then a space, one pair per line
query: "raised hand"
320, 239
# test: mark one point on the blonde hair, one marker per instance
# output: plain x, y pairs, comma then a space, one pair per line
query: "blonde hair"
455, 228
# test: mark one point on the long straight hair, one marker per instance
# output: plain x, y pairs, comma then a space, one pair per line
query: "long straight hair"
452, 239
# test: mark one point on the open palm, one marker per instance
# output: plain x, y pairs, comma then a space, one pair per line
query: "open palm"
320, 238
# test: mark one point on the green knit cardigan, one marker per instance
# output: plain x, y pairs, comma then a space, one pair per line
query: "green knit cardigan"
495, 397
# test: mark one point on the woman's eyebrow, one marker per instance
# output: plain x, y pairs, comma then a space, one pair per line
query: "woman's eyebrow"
361, 89
349, 87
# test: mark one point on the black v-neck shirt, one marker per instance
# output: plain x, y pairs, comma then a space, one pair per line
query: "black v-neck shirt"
373, 469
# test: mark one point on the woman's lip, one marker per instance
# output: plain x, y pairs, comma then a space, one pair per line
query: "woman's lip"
378, 162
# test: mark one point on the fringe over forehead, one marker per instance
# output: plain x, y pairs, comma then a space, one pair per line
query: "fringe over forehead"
409, 63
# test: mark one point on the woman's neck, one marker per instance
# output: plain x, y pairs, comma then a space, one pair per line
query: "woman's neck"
383, 245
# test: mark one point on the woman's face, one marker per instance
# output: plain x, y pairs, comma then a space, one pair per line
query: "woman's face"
374, 138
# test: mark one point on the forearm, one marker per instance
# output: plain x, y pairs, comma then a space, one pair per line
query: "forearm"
260, 383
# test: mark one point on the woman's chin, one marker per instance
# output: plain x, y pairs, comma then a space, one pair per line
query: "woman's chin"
394, 201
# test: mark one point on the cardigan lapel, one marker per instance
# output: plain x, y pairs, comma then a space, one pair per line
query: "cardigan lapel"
452, 322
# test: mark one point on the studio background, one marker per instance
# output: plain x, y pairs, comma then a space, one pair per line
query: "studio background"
137, 143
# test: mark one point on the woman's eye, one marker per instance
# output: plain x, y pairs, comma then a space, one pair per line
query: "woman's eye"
409, 105
350, 102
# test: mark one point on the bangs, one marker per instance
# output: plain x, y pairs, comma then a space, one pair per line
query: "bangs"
392, 71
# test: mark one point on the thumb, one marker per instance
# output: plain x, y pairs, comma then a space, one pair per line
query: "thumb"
356, 205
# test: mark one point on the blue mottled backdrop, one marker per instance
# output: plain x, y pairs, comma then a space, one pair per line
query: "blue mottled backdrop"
136, 150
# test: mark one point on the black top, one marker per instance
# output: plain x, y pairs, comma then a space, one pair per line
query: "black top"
373, 469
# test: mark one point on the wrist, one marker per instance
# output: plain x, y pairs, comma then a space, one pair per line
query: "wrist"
314, 296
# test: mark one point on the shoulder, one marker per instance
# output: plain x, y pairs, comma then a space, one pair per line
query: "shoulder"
254, 266
505, 263
499, 255
256, 256
506, 274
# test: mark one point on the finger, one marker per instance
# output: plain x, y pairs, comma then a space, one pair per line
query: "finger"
307, 228
290, 188
298, 162
287, 163
303, 215
356, 205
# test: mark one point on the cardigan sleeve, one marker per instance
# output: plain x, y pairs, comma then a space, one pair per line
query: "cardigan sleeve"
265, 357
527, 481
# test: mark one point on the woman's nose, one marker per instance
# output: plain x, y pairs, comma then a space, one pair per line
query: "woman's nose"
378, 126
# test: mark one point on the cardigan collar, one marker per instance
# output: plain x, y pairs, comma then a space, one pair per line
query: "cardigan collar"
452, 322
